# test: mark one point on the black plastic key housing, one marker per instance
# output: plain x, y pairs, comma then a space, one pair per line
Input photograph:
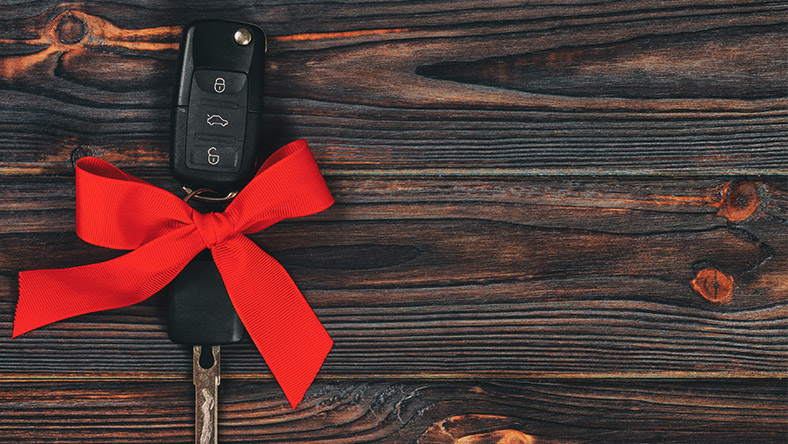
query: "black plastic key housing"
218, 102
215, 140
199, 310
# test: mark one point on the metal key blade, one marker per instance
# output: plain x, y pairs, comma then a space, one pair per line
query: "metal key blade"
206, 394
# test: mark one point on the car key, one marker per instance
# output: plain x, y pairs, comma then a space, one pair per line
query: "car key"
215, 135
218, 101
200, 314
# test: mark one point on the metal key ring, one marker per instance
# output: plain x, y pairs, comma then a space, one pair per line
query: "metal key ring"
198, 195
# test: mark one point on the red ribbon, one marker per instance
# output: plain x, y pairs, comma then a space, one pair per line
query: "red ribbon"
118, 210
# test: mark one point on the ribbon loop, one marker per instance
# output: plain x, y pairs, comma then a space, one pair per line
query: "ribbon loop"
118, 210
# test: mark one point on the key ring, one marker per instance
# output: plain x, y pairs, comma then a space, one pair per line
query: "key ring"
198, 195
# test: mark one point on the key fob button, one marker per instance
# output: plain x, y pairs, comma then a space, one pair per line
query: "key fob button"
226, 122
224, 86
219, 82
214, 156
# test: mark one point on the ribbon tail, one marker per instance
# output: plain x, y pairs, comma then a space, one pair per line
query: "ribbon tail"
279, 320
47, 296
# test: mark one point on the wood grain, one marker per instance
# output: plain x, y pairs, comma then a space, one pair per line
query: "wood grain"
561, 222
428, 87
469, 278
462, 412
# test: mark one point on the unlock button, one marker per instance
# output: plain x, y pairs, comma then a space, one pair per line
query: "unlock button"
214, 156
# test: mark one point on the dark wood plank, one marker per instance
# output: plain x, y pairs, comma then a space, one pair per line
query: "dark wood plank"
422, 87
470, 277
433, 412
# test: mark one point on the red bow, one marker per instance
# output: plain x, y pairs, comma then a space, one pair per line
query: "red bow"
118, 210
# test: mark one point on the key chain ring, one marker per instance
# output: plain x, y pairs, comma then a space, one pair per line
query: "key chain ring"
199, 196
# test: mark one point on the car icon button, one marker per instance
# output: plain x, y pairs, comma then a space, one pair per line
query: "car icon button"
216, 119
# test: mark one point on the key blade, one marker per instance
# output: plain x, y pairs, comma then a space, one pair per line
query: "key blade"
206, 394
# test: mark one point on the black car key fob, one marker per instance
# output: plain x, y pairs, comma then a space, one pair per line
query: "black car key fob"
215, 139
218, 103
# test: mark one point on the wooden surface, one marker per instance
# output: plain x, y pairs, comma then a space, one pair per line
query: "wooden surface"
555, 223
413, 411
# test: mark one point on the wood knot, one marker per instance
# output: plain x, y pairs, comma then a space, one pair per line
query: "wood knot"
475, 429
497, 437
71, 29
714, 285
77, 154
740, 200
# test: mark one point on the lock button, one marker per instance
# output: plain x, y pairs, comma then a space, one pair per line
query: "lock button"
219, 85
224, 86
